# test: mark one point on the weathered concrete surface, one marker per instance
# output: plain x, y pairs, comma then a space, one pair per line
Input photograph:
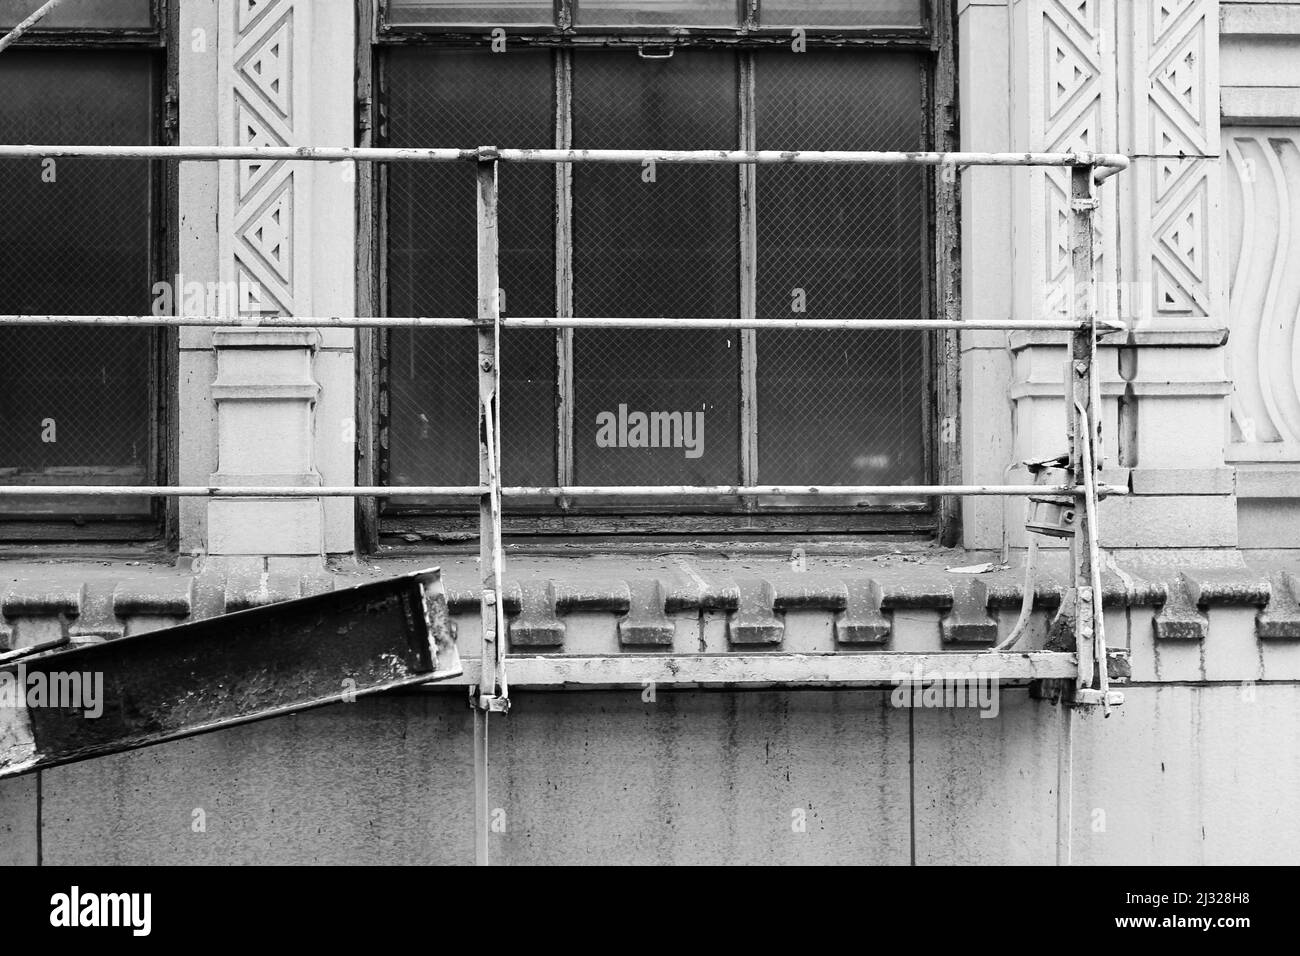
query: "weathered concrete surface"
986, 787
387, 780
1178, 775
19, 821
1190, 775
693, 778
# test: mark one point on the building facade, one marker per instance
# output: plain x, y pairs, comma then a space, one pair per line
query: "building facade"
603, 757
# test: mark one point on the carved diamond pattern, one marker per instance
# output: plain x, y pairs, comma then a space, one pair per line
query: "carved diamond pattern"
252, 131
1177, 84
251, 11
1179, 248
261, 75
1180, 131
1073, 107
1070, 71
1165, 17
265, 67
269, 232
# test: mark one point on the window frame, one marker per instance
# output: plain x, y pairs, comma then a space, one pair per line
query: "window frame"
937, 517
162, 524
566, 12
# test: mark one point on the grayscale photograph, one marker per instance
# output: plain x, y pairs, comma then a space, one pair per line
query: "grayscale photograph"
650, 433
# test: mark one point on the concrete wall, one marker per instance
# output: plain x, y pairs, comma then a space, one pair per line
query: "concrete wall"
1179, 775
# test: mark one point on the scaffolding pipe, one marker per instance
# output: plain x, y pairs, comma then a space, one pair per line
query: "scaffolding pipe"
544, 322
1105, 163
1083, 398
557, 491
37, 16
492, 691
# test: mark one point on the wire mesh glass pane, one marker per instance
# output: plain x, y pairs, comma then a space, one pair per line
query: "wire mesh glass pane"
684, 13
655, 407
843, 13
75, 403
841, 407
80, 14
419, 13
467, 98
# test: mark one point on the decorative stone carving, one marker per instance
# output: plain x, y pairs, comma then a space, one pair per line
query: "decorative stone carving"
1170, 124
258, 198
1262, 193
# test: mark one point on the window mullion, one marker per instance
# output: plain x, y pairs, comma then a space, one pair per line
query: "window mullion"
748, 279
564, 271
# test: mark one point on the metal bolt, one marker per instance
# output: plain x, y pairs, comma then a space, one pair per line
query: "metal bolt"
1081, 368
486, 365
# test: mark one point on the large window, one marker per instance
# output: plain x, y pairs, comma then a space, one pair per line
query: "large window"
79, 405
673, 407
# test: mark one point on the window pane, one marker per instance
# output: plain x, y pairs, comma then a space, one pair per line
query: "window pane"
684, 13
466, 98
841, 407
659, 242
419, 13
75, 238
78, 14
842, 13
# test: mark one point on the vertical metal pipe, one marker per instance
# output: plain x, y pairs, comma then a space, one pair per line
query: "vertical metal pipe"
1064, 783
489, 380
482, 812
1081, 413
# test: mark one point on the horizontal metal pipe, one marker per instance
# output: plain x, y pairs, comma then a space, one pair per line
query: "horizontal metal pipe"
318, 154
771, 491
697, 156
569, 491
765, 157
547, 322
878, 668
627, 322
238, 491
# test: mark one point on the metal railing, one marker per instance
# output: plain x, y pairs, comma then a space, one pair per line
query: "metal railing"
1082, 390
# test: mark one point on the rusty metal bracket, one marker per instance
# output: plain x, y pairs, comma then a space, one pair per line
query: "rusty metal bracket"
177, 682
1096, 698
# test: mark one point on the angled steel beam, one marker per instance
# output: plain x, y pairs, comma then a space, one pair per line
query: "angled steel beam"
283, 658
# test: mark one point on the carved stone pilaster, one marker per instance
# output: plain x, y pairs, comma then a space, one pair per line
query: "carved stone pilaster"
264, 393
262, 204
1169, 102
1064, 92
1138, 77
265, 397
285, 240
